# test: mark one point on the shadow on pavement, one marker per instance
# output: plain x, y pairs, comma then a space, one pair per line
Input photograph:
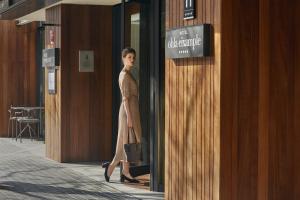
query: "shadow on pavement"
40, 191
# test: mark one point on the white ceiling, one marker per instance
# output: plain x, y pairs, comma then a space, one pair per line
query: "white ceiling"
40, 15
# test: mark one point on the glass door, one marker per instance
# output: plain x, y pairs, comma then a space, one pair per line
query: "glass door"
138, 24
136, 36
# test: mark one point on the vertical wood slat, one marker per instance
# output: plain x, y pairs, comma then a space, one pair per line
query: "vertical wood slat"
18, 69
296, 182
177, 94
181, 122
200, 116
172, 117
167, 112
217, 99
190, 115
263, 144
181, 130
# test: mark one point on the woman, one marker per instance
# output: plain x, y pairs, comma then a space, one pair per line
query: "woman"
129, 117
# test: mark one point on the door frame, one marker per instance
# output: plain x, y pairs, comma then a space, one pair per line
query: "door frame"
156, 61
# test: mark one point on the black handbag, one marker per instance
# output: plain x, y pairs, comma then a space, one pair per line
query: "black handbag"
133, 150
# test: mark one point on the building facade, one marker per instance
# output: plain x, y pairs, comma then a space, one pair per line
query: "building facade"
220, 126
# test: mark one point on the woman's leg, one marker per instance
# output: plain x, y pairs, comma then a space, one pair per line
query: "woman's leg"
126, 170
126, 164
119, 153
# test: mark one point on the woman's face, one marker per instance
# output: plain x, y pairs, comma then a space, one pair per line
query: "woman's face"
129, 59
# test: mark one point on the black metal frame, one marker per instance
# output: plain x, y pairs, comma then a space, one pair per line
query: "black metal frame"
153, 64
154, 71
40, 43
155, 87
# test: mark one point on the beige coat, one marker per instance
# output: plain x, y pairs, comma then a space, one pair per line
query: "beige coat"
129, 90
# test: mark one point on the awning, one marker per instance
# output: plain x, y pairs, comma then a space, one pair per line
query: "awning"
34, 10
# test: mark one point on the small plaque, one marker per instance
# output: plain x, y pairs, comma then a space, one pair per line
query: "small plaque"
51, 81
189, 9
86, 61
51, 57
186, 42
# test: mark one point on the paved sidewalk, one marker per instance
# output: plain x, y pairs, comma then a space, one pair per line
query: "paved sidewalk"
26, 174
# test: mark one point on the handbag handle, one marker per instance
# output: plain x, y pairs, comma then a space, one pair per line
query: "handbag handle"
133, 133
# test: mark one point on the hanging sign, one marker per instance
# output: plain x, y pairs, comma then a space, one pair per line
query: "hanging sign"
51, 57
189, 9
192, 41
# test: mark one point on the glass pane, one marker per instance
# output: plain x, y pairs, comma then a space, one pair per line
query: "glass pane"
135, 42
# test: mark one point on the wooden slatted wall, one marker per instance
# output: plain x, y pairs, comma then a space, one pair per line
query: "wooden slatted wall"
87, 97
18, 69
259, 111
80, 115
192, 117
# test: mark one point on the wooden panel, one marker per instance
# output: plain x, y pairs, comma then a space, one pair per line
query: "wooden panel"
84, 99
18, 69
192, 112
260, 91
282, 128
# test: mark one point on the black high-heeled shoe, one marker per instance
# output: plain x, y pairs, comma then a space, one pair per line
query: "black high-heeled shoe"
105, 164
105, 172
131, 180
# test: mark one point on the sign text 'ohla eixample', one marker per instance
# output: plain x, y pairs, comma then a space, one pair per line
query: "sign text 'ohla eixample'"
192, 41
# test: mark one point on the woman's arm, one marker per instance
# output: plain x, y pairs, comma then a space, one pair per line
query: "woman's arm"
125, 90
127, 110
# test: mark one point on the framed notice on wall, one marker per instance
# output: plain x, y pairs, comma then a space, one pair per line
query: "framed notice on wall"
86, 61
51, 81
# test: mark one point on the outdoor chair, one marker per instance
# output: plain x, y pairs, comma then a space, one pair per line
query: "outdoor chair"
13, 115
31, 122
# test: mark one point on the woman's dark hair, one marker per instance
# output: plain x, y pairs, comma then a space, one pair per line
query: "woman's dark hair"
127, 51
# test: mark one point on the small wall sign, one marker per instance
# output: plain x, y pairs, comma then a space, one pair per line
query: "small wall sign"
192, 41
51, 57
86, 61
51, 80
189, 9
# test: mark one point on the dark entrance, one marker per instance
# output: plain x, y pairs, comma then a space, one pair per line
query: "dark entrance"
139, 24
